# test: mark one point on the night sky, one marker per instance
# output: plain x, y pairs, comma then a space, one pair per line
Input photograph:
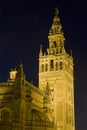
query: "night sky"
25, 25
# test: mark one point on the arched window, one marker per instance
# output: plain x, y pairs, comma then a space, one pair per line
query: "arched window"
55, 44
46, 67
51, 64
56, 65
42, 68
61, 65
6, 115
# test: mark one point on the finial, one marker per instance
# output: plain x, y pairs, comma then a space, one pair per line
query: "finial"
41, 53
56, 11
41, 47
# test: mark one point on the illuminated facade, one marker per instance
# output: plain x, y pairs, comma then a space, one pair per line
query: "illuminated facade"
21, 104
50, 106
56, 76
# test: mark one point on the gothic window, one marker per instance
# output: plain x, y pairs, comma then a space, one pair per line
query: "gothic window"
51, 65
6, 115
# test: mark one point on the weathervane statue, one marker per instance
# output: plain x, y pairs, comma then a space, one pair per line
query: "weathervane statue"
56, 11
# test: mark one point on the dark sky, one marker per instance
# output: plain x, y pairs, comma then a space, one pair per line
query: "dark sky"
24, 25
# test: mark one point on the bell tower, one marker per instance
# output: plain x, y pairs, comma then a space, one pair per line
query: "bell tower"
56, 69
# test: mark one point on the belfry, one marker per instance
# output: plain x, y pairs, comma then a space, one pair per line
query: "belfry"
50, 105
56, 71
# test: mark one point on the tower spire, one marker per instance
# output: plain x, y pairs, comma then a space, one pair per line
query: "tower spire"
56, 27
56, 36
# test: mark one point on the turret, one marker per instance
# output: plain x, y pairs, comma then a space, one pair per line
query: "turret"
12, 74
20, 81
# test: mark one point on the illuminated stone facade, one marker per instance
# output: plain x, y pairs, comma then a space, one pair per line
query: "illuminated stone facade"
50, 106
21, 104
56, 74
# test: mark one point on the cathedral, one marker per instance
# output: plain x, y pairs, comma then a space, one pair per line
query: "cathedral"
50, 105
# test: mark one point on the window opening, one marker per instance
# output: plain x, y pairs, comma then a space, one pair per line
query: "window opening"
51, 65
60, 65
